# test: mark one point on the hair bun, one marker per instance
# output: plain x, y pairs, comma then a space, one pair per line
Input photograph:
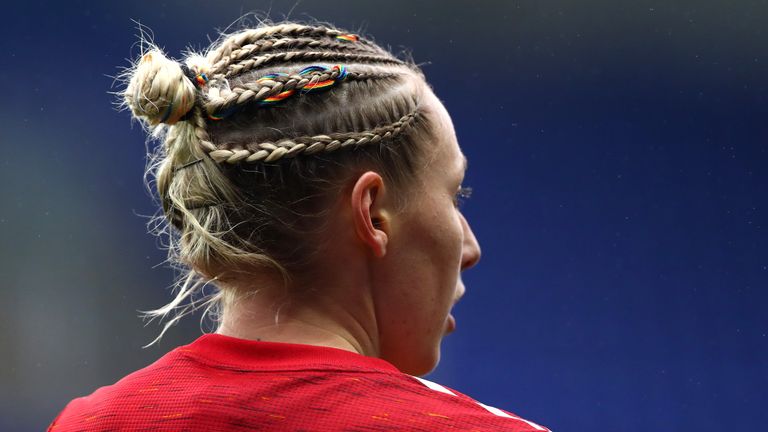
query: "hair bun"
158, 90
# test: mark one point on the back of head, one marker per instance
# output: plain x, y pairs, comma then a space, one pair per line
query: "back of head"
259, 135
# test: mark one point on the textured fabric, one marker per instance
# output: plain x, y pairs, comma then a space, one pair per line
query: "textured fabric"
220, 383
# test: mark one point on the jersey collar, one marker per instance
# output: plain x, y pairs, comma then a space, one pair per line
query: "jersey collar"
259, 355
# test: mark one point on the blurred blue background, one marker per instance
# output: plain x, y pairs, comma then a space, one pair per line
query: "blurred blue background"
618, 158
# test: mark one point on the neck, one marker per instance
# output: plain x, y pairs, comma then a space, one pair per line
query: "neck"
316, 320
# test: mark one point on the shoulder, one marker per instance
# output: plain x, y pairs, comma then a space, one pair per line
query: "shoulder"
118, 400
468, 412
326, 391
420, 403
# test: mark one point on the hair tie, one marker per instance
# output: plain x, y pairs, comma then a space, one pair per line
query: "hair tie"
348, 37
220, 115
278, 97
201, 79
166, 113
198, 79
317, 85
342, 73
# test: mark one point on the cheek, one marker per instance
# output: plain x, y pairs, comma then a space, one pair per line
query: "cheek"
427, 253
438, 243
441, 259
421, 285
428, 258
450, 237
446, 234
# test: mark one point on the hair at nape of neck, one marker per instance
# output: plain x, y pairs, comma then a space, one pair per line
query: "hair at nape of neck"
260, 133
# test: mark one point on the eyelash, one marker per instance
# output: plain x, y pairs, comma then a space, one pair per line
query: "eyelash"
463, 194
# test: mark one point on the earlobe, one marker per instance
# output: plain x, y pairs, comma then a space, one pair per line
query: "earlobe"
369, 213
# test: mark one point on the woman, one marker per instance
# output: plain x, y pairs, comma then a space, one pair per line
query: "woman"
314, 179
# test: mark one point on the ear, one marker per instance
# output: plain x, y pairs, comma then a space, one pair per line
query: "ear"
370, 216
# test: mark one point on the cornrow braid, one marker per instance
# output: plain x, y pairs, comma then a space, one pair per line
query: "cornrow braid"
263, 88
260, 61
267, 45
243, 38
201, 131
287, 148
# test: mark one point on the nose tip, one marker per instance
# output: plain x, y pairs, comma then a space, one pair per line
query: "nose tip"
471, 251
471, 256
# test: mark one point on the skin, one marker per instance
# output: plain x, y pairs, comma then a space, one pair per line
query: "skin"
393, 274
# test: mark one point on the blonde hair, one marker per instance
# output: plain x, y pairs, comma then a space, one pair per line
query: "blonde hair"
251, 160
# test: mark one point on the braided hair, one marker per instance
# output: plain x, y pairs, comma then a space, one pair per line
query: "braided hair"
260, 134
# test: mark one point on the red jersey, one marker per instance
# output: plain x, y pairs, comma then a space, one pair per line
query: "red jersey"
221, 383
